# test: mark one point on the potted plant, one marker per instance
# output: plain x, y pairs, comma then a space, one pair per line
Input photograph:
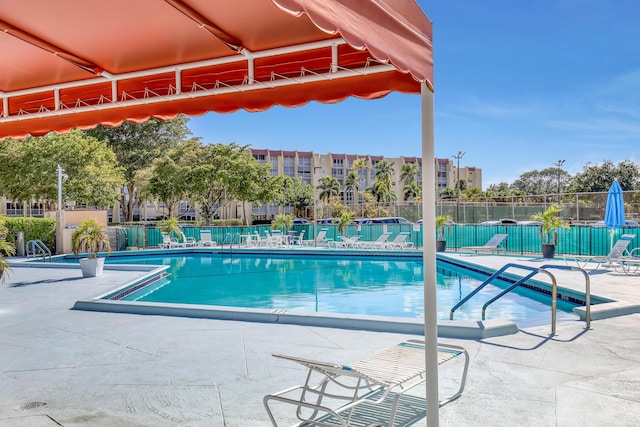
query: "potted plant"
549, 225
6, 248
442, 222
89, 237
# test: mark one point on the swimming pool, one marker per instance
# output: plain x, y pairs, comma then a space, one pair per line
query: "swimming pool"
355, 285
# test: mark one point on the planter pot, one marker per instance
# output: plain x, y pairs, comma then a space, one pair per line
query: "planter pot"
548, 251
441, 245
92, 267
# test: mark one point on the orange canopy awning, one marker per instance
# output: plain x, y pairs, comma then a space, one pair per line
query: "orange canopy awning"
77, 63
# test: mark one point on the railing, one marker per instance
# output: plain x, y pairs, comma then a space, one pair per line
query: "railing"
587, 287
496, 275
35, 248
532, 272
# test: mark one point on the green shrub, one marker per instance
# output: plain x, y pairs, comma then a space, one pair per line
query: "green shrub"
34, 229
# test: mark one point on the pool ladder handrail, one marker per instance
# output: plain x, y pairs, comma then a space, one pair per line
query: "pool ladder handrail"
587, 287
228, 239
533, 272
37, 247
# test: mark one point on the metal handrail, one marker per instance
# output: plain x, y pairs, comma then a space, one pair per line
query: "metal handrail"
228, 238
37, 247
489, 280
533, 272
554, 295
587, 291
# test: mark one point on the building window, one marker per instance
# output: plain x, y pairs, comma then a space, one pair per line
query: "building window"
288, 166
337, 171
261, 158
304, 169
274, 166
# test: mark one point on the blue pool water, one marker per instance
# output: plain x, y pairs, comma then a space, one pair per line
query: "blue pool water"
353, 285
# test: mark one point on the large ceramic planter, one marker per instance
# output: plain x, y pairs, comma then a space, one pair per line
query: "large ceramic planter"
92, 267
441, 245
548, 251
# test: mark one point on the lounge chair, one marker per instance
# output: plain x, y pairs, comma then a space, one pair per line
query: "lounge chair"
388, 374
321, 238
345, 242
493, 245
618, 251
187, 241
629, 264
376, 244
399, 242
205, 238
166, 241
298, 240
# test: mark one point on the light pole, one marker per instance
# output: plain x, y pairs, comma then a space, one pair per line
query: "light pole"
558, 165
458, 157
60, 216
315, 222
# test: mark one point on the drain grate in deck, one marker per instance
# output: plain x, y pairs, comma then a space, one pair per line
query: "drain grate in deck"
30, 405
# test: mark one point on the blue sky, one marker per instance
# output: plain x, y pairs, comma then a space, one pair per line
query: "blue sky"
519, 85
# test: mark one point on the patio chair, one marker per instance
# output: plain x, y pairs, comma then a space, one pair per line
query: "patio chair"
629, 264
345, 242
399, 242
166, 241
205, 238
378, 243
493, 245
187, 241
299, 239
618, 251
389, 374
321, 238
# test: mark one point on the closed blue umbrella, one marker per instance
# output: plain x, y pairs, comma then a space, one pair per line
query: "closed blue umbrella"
614, 212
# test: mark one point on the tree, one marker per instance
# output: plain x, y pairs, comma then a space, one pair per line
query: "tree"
381, 188
136, 147
329, 187
449, 193
547, 181
409, 173
352, 185
412, 191
598, 178
296, 193
28, 169
359, 165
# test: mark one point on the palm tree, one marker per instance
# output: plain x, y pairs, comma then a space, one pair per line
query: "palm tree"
412, 190
382, 186
352, 184
409, 173
329, 187
357, 166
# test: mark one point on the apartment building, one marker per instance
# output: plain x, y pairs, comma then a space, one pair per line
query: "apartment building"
312, 167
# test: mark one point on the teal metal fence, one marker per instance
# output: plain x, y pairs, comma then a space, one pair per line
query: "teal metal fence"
579, 240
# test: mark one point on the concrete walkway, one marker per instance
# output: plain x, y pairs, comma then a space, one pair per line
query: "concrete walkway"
73, 368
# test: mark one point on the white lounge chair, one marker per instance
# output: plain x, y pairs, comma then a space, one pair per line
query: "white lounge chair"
166, 241
388, 374
187, 241
613, 258
493, 245
298, 240
378, 243
345, 242
205, 239
321, 238
399, 242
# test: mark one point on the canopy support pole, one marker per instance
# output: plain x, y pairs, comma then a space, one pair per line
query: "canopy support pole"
429, 256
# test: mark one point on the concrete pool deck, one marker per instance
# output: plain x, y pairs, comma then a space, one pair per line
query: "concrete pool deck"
77, 368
